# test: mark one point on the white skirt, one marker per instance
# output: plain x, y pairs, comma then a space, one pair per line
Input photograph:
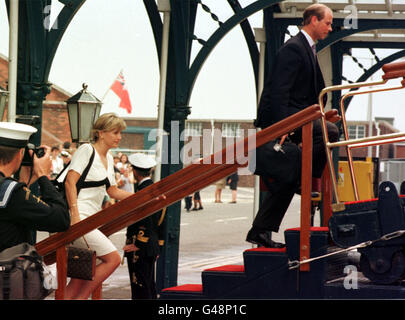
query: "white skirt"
97, 241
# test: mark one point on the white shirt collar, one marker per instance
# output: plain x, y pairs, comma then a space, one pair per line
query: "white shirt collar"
308, 37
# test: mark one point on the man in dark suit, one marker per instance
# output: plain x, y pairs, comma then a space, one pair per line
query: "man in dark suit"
145, 237
294, 83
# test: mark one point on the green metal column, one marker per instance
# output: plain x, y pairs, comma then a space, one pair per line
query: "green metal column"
37, 44
176, 112
275, 34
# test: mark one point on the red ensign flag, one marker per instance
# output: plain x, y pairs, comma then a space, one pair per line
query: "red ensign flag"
120, 89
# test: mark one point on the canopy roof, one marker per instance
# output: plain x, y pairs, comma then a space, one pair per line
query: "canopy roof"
363, 9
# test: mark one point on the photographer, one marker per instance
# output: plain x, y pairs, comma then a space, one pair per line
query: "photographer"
21, 212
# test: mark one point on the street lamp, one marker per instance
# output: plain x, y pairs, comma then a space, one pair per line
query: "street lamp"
83, 110
3, 102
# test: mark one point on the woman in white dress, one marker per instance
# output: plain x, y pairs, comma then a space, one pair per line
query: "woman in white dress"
106, 135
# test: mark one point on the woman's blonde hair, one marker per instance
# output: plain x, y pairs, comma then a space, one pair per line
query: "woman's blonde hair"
107, 122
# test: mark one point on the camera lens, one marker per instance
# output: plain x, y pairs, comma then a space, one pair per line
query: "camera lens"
40, 152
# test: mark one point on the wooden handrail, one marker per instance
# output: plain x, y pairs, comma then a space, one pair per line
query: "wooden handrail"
135, 207
393, 67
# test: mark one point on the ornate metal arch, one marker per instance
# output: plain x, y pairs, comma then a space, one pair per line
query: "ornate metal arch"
37, 47
373, 69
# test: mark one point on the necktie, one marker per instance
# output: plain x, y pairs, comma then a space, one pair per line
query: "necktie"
314, 50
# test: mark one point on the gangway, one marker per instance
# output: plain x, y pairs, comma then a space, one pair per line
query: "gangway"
182, 183
221, 164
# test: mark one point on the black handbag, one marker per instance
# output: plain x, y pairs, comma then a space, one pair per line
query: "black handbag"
279, 164
81, 262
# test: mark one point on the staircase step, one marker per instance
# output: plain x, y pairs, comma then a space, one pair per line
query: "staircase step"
185, 291
319, 241
218, 281
264, 260
264, 249
312, 229
228, 268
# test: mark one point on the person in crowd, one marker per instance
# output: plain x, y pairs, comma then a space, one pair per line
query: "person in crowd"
100, 179
66, 146
57, 162
145, 237
21, 212
65, 156
233, 185
127, 179
116, 161
219, 186
197, 201
294, 83
188, 200
123, 164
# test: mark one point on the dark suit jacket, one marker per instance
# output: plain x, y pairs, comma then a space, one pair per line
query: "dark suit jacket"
294, 83
147, 234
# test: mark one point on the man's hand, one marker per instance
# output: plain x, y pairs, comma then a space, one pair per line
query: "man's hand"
130, 248
42, 166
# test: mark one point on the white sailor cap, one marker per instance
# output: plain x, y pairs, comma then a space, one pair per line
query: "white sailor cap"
141, 161
65, 153
15, 134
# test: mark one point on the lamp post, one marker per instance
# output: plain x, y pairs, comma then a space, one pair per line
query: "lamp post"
83, 110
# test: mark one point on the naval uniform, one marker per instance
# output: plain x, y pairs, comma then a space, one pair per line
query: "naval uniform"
22, 213
147, 235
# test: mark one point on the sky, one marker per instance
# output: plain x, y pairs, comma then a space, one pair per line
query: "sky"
108, 36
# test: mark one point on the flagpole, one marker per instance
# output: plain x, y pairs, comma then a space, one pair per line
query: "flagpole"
163, 6
109, 88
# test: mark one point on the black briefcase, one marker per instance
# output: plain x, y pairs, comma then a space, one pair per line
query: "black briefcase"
281, 165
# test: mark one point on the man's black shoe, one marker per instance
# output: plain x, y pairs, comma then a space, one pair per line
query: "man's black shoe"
263, 239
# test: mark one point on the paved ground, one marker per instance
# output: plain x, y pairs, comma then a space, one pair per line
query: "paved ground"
210, 237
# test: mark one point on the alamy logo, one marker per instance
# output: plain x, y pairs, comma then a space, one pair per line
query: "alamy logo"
350, 281
208, 146
47, 20
352, 20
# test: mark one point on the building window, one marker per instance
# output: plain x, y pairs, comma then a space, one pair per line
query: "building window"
356, 131
231, 130
193, 129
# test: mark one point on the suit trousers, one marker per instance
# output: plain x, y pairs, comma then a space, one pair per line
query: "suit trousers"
273, 207
278, 199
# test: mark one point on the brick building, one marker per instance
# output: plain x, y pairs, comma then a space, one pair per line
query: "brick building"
55, 121
201, 138
381, 126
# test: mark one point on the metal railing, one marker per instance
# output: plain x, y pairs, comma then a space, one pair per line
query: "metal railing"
391, 71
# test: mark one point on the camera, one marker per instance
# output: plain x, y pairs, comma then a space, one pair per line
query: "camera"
28, 159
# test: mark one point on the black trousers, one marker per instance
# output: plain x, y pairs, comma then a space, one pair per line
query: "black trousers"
273, 208
277, 201
142, 276
189, 202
